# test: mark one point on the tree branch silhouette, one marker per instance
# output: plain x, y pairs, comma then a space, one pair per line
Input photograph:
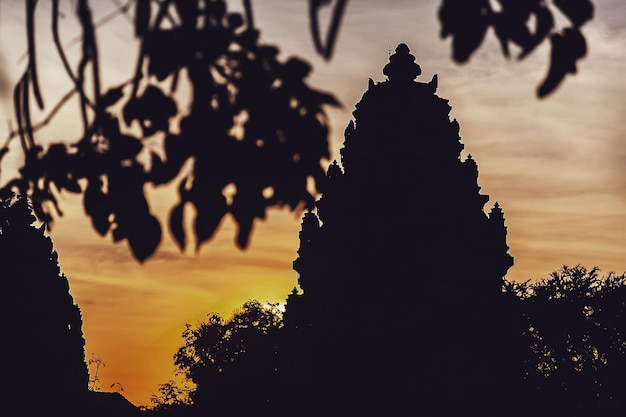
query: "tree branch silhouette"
254, 125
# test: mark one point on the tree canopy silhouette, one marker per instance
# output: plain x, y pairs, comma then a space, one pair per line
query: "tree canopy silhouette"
44, 356
231, 359
38, 312
255, 135
171, 398
574, 335
565, 353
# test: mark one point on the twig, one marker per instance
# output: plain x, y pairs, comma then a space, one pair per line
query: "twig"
247, 5
13, 133
32, 65
161, 14
57, 42
45, 121
122, 9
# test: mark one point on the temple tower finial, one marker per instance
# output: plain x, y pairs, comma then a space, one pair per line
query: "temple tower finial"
402, 66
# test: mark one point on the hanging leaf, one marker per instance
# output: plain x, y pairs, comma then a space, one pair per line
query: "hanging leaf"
112, 96
70, 184
567, 48
247, 205
316, 99
142, 17
131, 111
120, 146
578, 12
96, 205
59, 167
176, 226
235, 20
144, 237
295, 70
216, 9
543, 27
153, 110
244, 228
161, 172
210, 210
188, 12
177, 152
124, 146
167, 51
467, 23
119, 233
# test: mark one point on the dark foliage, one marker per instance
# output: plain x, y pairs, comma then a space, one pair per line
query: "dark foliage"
233, 363
325, 48
38, 312
171, 397
574, 335
522, 23
563, 336
254, 126
44, 369
255, 135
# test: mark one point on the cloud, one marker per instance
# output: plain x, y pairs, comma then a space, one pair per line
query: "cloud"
610, 15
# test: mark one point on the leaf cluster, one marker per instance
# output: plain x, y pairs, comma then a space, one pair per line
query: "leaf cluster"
253, 135
253, 138
523, 23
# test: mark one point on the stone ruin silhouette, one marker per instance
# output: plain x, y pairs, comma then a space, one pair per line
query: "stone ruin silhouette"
400, 267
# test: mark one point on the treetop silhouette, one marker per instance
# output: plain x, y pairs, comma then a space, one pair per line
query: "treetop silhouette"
572, 327
44, 363
224, 359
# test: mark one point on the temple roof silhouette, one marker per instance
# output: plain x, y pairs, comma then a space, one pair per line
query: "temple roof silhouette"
402, 188
400, 241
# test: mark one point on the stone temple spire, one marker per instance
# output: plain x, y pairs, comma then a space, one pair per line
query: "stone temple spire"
402, 66
403, 250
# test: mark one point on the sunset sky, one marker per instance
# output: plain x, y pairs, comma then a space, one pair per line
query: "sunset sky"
557, 167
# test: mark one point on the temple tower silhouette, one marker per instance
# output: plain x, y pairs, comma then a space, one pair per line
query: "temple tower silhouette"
400, 267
